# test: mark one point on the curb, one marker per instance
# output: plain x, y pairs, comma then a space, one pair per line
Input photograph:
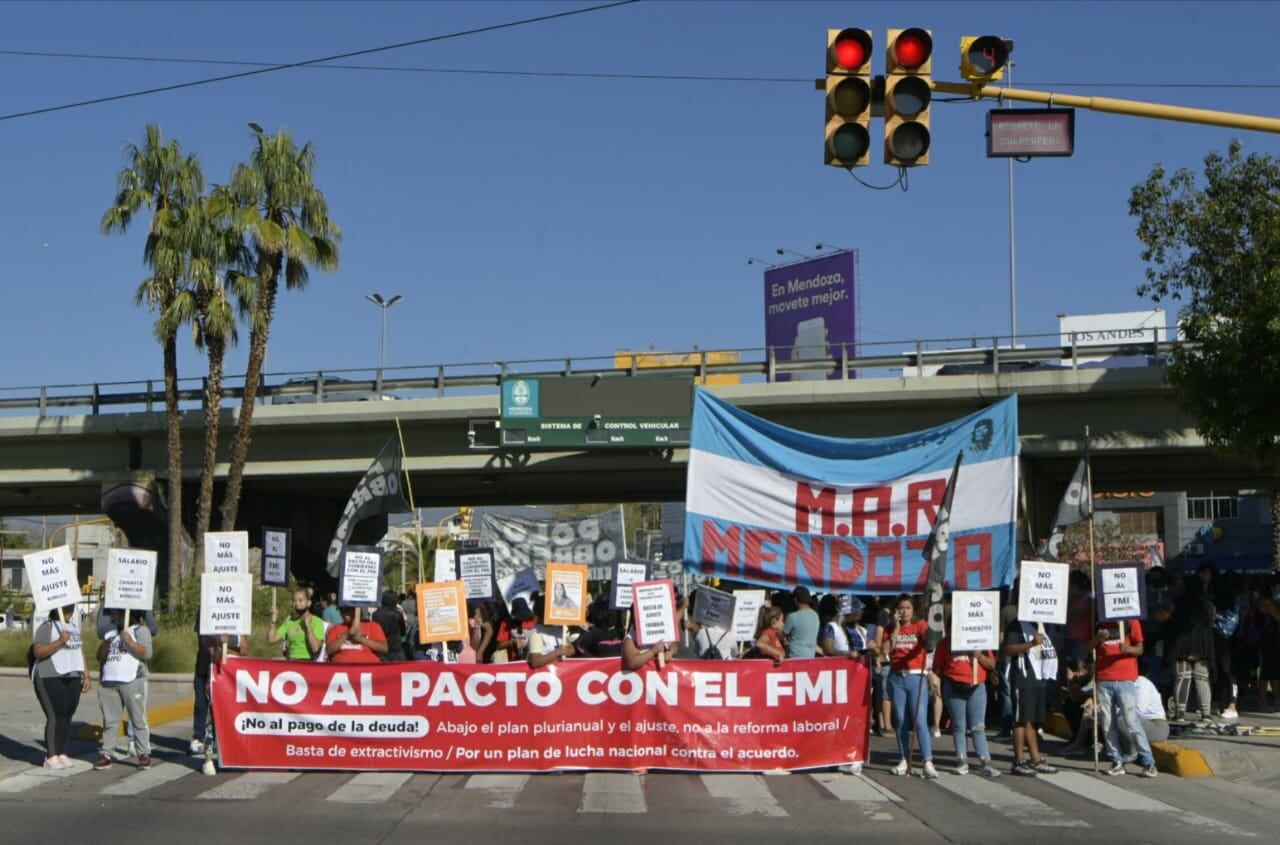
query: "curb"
167, 677
1180, 760
1170, 757
158, 714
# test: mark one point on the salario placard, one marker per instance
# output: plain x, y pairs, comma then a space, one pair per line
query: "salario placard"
743, 715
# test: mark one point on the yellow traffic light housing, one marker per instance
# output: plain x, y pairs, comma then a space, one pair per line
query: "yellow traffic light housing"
848, 98
908, 92
983, 57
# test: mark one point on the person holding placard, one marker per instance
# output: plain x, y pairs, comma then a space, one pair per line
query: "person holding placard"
352, 642
60, 677
123, 654
1116, 657
1032, 661
964, 687
302, 634
902, 643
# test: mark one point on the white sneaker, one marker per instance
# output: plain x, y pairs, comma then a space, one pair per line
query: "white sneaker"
937, 733
196, 747
901, 769
851, 768
208, 768
929, 771
962, 769
1229, 714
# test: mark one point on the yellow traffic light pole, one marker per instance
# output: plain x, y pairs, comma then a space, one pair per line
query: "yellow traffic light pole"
1110, 105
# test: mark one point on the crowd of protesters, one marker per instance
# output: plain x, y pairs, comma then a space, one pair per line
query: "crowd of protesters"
1210, 643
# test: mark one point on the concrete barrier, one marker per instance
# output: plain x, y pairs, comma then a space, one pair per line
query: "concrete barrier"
1170, 757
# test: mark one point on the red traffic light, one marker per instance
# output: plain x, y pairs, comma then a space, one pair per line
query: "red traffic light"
850, 50
912, 48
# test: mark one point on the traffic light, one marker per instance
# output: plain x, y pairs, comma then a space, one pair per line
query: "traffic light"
465, 516
983, 57
908, 89
848, 134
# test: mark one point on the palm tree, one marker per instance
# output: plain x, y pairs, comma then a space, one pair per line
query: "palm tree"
159, 177
286, 219
216, 257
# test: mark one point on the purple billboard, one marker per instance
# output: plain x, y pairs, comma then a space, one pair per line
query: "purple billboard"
809, 311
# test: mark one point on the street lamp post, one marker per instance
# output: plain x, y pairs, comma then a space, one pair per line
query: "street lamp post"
383, 305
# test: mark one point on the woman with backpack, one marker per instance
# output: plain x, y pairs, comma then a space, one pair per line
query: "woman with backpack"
61, 677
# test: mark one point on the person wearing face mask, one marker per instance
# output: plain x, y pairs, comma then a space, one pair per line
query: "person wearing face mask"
902, 644
61, 677
302, 634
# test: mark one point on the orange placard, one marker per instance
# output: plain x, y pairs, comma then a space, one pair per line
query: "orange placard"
566, 595
442, 612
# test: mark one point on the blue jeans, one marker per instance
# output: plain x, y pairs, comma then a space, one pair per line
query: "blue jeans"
968, 709
1118, 707
905, 692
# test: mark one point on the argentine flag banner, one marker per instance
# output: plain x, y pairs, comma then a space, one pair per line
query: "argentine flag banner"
775, 506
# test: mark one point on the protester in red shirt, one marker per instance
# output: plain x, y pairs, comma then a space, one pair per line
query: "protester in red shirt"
352, 642
903, 644
1116, 657
964, 688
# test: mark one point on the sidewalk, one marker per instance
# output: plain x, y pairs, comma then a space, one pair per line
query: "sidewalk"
22, 730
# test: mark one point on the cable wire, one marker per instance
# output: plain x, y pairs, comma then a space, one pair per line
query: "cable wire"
351, 54
555, 74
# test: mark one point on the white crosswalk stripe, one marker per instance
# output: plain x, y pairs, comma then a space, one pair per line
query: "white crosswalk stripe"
247, 786
1116, 797
39, 776
871, 799
744, 794
612, 792
1004, 800
502, 789
139, 782
369, 788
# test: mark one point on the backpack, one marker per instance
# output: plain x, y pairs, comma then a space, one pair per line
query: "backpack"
712, 653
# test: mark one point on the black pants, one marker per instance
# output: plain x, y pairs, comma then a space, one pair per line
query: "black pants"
59, 696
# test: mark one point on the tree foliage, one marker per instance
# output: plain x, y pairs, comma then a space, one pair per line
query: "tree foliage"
1215, 248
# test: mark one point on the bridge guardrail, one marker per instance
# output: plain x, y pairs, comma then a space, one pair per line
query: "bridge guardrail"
336, 385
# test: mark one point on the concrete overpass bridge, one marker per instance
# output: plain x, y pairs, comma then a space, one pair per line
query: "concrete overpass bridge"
307, 456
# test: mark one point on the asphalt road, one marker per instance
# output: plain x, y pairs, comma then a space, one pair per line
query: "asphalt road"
176, 801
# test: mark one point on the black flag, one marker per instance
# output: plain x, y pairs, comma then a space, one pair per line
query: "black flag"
1076, 506
378, 492
935, 556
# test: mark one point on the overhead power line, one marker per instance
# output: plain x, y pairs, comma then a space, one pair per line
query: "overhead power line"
326, 64
258, 71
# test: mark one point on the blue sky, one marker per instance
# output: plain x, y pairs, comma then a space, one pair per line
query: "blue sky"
537, 217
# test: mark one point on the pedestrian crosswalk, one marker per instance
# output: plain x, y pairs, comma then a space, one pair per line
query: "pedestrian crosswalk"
1066, 800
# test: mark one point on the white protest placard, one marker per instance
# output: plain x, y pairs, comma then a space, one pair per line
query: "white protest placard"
653, 605
1121, 591
975, 620
226, 553
131, 579
52, 574
713, 608
360, 577
625, 573
446, 568
475, 568
746, 613
277, 546
519, 585
226, 605
1042, 592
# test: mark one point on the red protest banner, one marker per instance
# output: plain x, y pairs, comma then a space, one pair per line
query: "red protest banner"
735, 715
